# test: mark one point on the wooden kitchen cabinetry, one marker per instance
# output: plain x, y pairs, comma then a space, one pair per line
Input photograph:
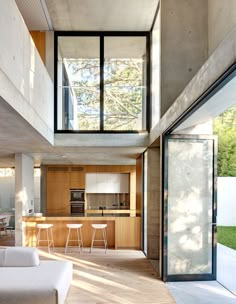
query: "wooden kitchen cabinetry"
77, 177
57, 190
62, 178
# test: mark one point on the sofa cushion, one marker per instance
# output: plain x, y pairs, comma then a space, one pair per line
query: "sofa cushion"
19, 257
48, 283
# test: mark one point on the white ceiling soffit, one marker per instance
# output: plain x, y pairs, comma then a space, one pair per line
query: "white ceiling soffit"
217, 104
115, 47
102, 15
35, 14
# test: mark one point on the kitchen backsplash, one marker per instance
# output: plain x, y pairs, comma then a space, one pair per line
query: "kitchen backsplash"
109, 201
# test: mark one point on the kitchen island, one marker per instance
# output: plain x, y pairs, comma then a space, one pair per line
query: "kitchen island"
123, 230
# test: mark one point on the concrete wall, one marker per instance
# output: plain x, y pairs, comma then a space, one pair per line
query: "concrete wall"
226, 200
184, 45
221, 20
24, 81
24, 194
155, 69
153, 203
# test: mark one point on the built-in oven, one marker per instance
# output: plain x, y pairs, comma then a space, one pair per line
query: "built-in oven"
77, 195
77, 201
77, 207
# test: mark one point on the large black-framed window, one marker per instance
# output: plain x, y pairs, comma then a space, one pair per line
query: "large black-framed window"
102, 82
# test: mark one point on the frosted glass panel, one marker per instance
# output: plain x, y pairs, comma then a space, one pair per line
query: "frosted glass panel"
190, 176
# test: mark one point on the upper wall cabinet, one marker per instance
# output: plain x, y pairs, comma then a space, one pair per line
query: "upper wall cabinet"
107, 183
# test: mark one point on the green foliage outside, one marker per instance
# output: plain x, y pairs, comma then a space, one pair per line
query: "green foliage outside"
225, 128
227, 236
123, 93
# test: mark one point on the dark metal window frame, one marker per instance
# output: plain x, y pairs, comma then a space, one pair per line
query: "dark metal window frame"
228, 75
102, 35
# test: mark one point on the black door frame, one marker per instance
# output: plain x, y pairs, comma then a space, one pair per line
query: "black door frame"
228, 75
189, 277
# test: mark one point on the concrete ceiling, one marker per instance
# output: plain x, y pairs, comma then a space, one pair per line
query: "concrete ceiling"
18, 136
88, 15
114, 47
35, 14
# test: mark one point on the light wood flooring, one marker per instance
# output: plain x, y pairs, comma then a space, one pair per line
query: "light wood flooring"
119, 276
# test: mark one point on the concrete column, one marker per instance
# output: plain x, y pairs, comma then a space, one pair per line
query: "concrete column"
24, 194
184, 45
153, 203
43, 185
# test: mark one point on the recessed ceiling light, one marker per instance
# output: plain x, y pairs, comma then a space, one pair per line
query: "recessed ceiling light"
63, 156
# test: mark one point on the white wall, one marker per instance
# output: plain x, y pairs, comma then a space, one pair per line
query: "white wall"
226, 201
24, 81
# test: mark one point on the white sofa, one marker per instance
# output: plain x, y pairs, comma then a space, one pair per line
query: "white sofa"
26, 279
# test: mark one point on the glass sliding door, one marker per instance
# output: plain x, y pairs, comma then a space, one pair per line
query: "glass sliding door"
189, 208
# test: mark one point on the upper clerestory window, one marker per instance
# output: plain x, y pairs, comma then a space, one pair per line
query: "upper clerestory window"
101, 82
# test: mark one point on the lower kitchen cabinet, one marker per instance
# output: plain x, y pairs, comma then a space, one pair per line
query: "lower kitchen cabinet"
122, 232
58, 197
128, 232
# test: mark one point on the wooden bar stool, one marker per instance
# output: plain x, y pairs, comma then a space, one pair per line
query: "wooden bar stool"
49, 236
103, 228
79, 235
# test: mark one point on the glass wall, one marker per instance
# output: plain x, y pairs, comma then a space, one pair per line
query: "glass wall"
101, 83
78, 99
124, 83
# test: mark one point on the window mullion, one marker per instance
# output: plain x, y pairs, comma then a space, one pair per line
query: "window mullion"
102, 82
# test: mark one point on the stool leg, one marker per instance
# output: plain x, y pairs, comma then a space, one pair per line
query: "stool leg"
38, 238
81, 238
48, 241
78, 238
67, 240
52, 237
93, 236
104, 234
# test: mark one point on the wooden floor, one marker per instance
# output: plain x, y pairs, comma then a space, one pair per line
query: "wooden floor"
119, 276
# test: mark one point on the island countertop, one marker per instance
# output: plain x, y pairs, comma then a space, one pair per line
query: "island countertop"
122, 231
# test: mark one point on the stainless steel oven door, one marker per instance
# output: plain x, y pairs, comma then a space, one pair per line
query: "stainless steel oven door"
77, 207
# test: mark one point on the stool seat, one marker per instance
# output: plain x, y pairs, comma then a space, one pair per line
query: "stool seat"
49, 236
79, 240
44, 226
99, 226
74, 226
103, 228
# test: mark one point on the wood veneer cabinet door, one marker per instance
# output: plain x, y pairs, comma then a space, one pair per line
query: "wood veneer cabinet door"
57, 173
128, 232
58, 197
77, 177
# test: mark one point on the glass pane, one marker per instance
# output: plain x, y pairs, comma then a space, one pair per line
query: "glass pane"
190, 206
78, 83
124, 83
